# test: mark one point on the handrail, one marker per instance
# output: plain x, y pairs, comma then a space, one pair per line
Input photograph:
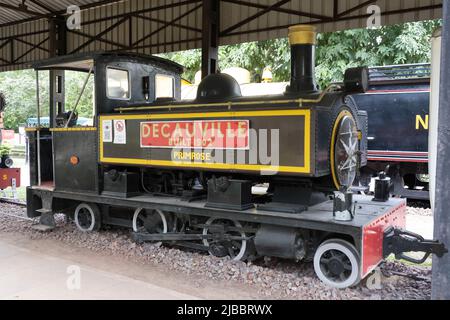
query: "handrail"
230, 104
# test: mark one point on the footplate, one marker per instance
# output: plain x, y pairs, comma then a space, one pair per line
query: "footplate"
398, 242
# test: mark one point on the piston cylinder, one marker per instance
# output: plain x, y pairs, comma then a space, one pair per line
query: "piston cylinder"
280, 242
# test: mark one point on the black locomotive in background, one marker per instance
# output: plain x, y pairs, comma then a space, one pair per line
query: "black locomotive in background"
397, 103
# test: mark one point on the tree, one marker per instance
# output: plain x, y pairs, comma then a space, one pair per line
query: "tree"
19, 88
20, 93
398, 44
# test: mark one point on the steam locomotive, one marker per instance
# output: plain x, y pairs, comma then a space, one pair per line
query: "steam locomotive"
229, 175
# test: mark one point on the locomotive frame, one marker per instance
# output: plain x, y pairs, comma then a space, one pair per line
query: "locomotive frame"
210, 206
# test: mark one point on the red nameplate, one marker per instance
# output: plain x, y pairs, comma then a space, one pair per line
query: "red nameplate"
214, 134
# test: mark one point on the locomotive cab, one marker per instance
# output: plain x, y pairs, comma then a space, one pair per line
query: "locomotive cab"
114, 79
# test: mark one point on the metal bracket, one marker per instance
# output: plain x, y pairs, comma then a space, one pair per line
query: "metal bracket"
398, 242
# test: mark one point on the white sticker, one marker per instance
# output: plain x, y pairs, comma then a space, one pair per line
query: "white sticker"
120, 132
107, 131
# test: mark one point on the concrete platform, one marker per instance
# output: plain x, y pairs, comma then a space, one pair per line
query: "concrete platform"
25, 274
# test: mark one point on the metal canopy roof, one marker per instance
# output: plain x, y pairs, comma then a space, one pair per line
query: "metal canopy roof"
84, 61
156, 26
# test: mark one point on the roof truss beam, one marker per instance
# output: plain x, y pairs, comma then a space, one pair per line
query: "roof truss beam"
340, 19
34, 47
356, 8
166, 25
178, 25
42, 5
253, 17
100, 35
278, 9
22, 9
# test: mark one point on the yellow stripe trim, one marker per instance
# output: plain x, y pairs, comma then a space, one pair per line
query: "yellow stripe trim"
222, 166
73, 129
171, 116
333, 146
230, 104
273, 113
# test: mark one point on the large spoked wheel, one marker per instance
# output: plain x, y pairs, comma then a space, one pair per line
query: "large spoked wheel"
88, 217
344, 150
336, 263
235, 248
149, 221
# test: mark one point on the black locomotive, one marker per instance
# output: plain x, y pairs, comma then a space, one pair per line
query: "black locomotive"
397, 103
234, 176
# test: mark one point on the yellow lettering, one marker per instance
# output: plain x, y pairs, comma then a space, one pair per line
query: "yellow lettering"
178, 132
192, 156
230, 132
156, 130
188, 133
220, 134
242, 130
146, 130
205, 130
164, 133
420, 122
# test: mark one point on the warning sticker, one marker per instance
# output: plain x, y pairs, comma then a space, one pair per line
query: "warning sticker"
120, 133
107, 131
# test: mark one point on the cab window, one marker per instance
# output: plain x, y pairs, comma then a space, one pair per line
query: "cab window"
118, 84
164, 86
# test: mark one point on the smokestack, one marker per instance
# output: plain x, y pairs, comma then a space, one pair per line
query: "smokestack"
302, 39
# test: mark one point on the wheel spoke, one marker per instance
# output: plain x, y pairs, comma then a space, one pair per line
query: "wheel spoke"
236, 244
324, 260
228, 228
348, 267
231, 252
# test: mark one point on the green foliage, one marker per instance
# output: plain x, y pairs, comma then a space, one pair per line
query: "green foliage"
255, 56
5, 150
74, 84
390, 45
20, 94
19, 88
190, 59
398, 44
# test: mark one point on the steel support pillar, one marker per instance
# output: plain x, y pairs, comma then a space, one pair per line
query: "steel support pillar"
58, 36
441, 267
58, 47
210, 42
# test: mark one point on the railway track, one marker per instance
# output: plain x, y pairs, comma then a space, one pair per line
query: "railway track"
14, 202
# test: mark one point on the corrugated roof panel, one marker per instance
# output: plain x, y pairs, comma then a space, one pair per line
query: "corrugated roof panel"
155, 26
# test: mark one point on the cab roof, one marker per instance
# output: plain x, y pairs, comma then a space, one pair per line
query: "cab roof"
84, 61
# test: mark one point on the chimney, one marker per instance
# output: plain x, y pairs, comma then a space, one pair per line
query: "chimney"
302, 39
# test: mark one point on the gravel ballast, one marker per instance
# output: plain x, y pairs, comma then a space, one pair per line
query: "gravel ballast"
272, 278
426, 212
